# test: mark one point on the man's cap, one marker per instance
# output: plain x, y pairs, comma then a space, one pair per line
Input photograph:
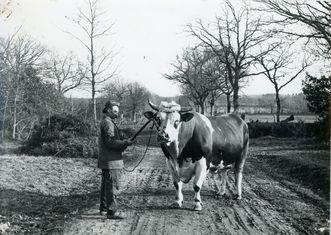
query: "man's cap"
109, 105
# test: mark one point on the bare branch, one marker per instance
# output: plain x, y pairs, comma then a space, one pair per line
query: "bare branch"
80, 40
235, 38
316, 17
100, 62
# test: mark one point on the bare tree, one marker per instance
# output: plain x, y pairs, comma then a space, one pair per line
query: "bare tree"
37, 99
19, 54
313, 14
66, 73
280, 68
94, 26
137, 96
235, 38
195, 73
117, 90
267, 101
3, 95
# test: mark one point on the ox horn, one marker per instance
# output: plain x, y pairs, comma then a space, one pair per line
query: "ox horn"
153, 106
185, 109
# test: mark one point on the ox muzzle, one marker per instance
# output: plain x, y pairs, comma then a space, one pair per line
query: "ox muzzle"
162, 137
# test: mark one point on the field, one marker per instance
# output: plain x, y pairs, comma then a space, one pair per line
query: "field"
285, 190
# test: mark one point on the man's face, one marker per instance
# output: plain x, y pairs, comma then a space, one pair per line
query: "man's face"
113, 112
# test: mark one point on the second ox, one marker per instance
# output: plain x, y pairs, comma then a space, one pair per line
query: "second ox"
194, 144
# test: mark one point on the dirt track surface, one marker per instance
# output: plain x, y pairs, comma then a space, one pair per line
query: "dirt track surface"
272, 202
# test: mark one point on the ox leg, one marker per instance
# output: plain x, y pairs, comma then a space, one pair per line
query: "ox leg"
179, 194
239, 171
177, 183
238, 177
223, 181
200, 176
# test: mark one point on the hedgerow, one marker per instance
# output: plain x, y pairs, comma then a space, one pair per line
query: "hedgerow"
283, 130
63, 135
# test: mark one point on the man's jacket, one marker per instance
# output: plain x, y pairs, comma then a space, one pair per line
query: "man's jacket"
110, 145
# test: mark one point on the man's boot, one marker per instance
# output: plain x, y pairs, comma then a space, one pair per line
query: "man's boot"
113, 215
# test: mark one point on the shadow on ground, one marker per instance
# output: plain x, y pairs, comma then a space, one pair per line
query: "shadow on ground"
37, 213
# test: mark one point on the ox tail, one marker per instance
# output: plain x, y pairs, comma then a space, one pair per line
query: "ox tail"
240, 164
246, 143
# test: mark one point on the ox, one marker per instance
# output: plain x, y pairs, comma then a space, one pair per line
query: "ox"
194, 144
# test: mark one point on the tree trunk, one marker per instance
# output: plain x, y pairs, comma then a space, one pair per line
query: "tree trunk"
94, 107
202, 111
4, 121
133, 113
211, 108
202, 106
20, 132
59, 88
278, 104
14, 118
228, 100
49, 119
72, 104
236, 97
197, 108
30, 130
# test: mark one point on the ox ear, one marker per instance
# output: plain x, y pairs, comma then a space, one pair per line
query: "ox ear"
149, 115
185, 117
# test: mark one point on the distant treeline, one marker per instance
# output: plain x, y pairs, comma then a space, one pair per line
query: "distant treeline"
251, 104
291, 104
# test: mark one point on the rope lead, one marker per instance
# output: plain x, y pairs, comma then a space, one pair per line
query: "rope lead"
148, 143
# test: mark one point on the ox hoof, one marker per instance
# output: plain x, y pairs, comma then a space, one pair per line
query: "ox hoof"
176, 204
237, 197
198, 207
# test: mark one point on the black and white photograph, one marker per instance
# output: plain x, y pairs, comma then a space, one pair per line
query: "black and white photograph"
165, 117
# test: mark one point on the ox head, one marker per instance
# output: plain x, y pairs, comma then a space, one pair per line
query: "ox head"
167, 119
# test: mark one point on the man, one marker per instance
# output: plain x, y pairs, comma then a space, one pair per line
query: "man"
110, 160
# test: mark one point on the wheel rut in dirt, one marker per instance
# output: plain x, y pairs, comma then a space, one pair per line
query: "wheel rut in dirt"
268, 206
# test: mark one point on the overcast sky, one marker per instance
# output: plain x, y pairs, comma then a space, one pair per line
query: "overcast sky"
148, 34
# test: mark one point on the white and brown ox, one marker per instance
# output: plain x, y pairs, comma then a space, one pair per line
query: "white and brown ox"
194, 144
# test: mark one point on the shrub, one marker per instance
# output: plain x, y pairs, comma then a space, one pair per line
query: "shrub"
72, 147
282, 129
317, 92
63, 136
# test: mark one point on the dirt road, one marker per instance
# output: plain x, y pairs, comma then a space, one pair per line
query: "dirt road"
271, 204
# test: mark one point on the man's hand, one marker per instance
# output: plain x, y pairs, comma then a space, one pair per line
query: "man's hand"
128, 142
